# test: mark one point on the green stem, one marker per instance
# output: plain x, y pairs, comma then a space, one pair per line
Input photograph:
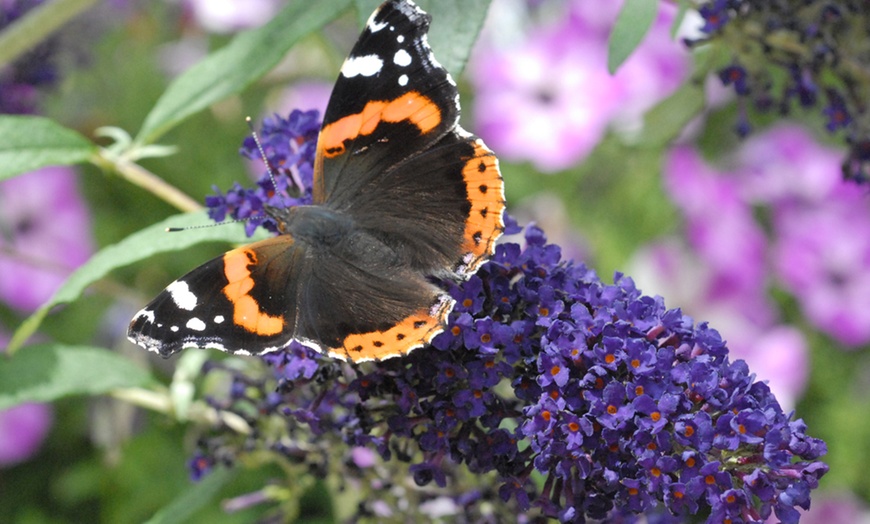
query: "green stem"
37, 25
138, 175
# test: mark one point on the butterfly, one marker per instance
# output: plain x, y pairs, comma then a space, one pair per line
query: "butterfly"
402, 195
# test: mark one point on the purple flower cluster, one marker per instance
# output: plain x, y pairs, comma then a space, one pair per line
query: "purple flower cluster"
20, 82
550, 393
812, 63
289, 145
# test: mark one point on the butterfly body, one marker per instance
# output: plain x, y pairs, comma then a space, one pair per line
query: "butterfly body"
402, 196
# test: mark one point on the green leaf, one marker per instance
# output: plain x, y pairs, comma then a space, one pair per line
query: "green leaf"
667, 119
632, 24
250, 55
455, 26
364, 9
47, 372
31, 142
138, 246
189, 502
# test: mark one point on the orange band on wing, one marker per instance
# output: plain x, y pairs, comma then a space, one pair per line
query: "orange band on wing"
486, 193
412, 107
246, 311
417, 330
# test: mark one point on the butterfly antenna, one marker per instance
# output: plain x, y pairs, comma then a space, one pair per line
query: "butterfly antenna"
256, 138
224, 222
269, 169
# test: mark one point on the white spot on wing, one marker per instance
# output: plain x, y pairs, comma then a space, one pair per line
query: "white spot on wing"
373, 26
174, 329
215, 345
403, 80
362, 66
195, 324
181, 295
402, 58
219, 319
400, 38
146, 314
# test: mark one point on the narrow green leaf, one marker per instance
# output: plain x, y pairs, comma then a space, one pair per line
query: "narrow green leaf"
632, 24
37, 25
47, 372
192, 500
664, 122
365, 8
455, 27
250, 55
136, 247
31, 142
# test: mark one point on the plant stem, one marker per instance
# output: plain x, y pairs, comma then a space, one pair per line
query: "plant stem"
145, 179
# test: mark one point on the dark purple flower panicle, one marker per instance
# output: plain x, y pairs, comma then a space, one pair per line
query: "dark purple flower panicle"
550, 393
811, 63
21, 80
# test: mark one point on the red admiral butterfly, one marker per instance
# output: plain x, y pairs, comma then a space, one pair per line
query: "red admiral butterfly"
401, 193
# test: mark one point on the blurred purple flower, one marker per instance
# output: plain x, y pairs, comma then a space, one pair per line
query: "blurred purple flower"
21, 80
549, 99
44, 235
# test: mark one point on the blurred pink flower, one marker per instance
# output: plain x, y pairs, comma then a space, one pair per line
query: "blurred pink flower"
836, 508
786, 164
822, 256
720, 229
22, 428
227, 16
304, 95
45, 235
549, 99
820, 228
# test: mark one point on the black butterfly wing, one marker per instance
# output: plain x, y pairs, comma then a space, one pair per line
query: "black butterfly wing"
360, 304
391, 100
391, 154
244, 301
